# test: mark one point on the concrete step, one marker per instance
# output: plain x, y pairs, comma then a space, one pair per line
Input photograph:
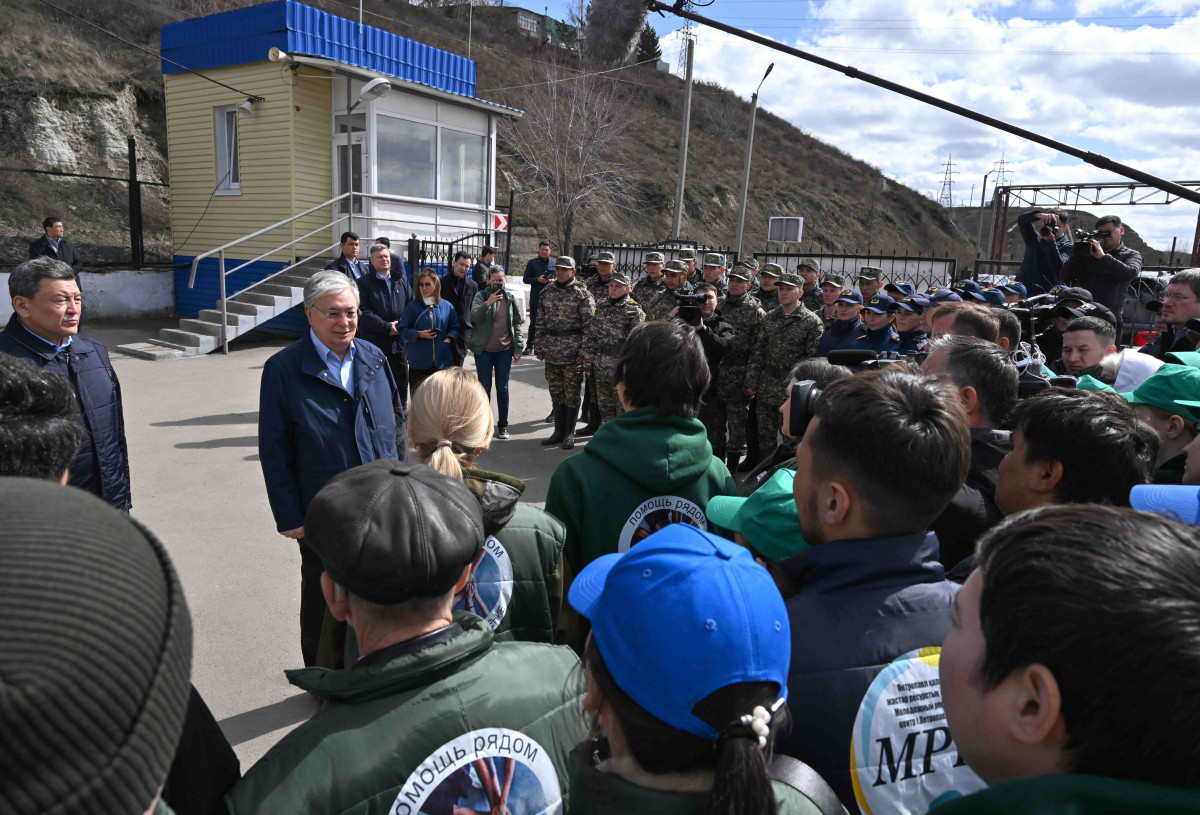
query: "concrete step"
241, 322
185, 350
291, 279
211, 329
234, 307
150, 350
191, 339
290, 292
266, 301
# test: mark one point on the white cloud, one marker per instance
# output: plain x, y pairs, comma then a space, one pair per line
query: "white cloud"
1131, 93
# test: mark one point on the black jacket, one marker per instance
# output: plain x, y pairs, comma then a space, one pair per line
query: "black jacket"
1168, 341
380, 307
717, 338
66, 252
479, 273
352, 270
1041, 268
460, 293
1107, 278
102, 464
973, 509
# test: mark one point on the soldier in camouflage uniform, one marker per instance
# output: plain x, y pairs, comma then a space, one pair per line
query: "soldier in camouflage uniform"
713, 273
831, 289
810, 274
743, 313
598, 285
787, 335
688, 256
564, 311
768, 286
660, 307
652, 283
616, 315
598, 289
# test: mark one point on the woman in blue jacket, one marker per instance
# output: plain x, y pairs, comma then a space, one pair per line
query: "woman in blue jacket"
428, 327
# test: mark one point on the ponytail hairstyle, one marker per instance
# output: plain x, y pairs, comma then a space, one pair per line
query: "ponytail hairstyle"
741, 781
450, 421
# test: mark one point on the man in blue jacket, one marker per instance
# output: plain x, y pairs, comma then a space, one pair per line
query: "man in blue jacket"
871, 601
327, 403
385, 291
44, 329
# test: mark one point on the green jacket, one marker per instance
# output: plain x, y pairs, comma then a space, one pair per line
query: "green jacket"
522, 561
482, 316
421, 731
599, 793
1075, 795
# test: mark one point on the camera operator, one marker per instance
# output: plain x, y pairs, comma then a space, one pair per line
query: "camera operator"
716, 336
1105, 266
842, 331
1046, 249
674, 280
1180, 304
1050, 338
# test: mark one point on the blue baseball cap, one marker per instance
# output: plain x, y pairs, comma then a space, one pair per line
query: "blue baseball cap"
967, 287
916, 303
850, 296
944, 295
905, 288
681, 615
881, 304
1013, 287
1179, 503
993, 297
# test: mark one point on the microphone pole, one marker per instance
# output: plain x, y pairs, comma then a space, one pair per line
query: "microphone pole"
1095, 159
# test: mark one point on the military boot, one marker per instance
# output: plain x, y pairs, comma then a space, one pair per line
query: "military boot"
593, 415
559, 414
571, 417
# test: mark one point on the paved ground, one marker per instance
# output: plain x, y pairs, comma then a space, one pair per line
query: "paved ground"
192, 431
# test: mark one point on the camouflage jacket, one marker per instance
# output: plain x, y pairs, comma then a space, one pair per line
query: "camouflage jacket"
783, 340
745, 316
811, 299
660, 307
769, 300
564, 312
609, 327
597, 288
646, 289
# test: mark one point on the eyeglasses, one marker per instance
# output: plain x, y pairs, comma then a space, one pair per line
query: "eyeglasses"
337, 313
1178, 297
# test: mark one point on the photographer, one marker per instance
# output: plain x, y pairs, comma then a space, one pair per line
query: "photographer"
1046, 249
498, 340
1180, 304
1105, 266
716, 336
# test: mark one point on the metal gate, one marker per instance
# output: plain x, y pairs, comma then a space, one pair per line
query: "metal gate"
632, 259
922, 272
439, 255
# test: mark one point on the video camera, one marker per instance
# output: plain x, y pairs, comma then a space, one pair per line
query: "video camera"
862, 359
689, 307
1083, 239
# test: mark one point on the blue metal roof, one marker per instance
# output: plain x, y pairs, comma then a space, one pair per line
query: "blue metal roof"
247, 34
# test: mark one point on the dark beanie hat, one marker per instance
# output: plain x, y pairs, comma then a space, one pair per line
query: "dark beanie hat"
95, 654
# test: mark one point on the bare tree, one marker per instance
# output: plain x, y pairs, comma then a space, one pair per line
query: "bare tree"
570, 146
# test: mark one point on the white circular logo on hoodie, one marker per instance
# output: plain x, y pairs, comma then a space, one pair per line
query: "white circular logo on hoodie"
656, 513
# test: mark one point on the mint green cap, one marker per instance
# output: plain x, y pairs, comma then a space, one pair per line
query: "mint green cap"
1172, 388
1091, 383
767, 519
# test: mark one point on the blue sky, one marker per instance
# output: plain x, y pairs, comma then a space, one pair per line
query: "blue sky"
1117, 78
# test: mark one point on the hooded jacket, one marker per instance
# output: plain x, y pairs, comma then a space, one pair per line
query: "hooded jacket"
1076, 795
839, 336
414, 726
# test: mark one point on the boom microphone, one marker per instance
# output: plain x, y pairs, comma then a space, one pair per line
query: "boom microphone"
611, 30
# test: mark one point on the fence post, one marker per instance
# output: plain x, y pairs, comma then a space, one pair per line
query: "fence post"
414, 260
508, 234
136, 246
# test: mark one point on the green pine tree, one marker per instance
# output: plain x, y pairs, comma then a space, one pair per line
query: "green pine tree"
648, 46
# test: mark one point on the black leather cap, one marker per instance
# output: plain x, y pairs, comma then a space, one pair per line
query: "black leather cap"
390, 531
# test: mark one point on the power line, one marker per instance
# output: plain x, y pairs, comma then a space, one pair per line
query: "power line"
566, 79
148, 51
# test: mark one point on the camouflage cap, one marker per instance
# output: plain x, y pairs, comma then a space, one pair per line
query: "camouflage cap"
811, 263
565, 262
740, 272
832, 279
790, 279
772, 269
606, 257
870, 273
619, 276
749, 263
714, 259
687, 254
676, 267
655, 257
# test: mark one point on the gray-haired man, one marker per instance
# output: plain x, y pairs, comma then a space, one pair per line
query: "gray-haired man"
327, 403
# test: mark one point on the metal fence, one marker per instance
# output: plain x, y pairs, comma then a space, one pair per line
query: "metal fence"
632, 259
922, 272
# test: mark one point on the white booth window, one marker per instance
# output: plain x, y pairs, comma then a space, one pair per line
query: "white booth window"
406, 157
464, 167
225, 131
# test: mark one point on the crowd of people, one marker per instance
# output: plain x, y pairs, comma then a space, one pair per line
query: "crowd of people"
956, 572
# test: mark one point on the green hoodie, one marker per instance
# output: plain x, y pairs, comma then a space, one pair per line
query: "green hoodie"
1076, 795
639, 473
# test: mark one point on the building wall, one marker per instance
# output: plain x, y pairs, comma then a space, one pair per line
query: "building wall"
117, 294
312, 157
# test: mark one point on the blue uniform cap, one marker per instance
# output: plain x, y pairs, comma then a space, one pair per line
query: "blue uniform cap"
905, 288
943, 295
881, 304
1013, 287
850, 296
681, 615
993, 297
916, 303
967, 287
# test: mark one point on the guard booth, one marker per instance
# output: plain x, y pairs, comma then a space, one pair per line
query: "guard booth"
320, 125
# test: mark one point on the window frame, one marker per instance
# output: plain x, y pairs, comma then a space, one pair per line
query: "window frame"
221, 153
439, 126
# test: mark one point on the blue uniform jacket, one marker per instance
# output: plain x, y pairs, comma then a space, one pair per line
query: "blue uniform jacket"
859, 604
310, 429
881, 341
102, 464
913, 341
436, 353
839, 336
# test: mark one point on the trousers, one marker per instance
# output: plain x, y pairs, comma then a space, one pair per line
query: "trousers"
563, 382
499, 362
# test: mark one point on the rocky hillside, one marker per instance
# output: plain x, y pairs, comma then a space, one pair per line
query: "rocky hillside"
74, 114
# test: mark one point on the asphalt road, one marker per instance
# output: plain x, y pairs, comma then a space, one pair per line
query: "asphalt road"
192, 431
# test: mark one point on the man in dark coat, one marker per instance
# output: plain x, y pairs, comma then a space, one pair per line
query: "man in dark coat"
539, 273
385, 291
44, 328
397, 261
1106, 269
54, 245
482, 267
347, 262
327, 403
460, 290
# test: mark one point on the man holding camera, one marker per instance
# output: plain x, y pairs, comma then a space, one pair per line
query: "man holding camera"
1105, 266
787, 335
1047, 248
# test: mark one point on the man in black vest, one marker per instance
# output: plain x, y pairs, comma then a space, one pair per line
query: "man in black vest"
54, 245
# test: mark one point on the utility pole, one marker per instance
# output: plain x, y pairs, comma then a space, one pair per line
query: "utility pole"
982, 193
737, 244
946, 196
683, 140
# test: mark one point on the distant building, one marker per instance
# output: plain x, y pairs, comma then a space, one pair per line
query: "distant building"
531, 25
427, 148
